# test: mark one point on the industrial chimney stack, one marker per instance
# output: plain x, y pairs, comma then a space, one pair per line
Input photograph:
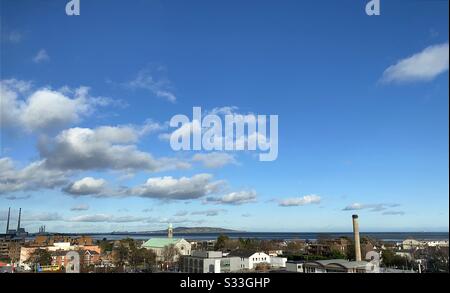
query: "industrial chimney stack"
18, 221
356, 235
7, 223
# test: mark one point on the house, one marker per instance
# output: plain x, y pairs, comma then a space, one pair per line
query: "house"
91, 257
408, 244
250, 259
209, 262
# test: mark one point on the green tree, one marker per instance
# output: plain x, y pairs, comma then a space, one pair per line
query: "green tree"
221, 242
390, 259
40, 257
336, 254
106, 245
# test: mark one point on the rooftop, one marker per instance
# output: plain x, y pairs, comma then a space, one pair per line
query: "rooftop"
160, 242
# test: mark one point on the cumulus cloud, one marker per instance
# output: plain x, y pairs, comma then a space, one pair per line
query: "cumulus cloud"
102, 148
169, 188
423, 66
234, 198
300, 201
86, 186
160, 87
214, 160
44, 109
41, 56
81, 207
34, 176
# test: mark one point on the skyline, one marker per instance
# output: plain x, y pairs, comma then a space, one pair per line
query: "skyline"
362, 105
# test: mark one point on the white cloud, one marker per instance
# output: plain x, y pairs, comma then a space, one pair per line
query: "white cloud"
375, 207
96, 218
169, 188
86, 186
300, 201
234, 198
34, 176
41, 56
81, 207
159, 87
208, 213
44, 109
108, 147
423, 66
214, 160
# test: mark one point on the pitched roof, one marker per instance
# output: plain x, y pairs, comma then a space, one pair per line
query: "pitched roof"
160, 242
242, 253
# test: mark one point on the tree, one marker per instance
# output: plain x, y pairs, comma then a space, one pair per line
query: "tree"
149, 259
336, 254
120, 255
40, 257
390, 259
221, 242
106, 245
294, 247
169, 253
437, 261
14, 252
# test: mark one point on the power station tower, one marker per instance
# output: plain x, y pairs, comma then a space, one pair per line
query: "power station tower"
18, 221
7, 222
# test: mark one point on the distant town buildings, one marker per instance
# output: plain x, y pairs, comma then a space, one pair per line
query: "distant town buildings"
224, 255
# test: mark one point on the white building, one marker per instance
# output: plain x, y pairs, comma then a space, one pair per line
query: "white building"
209, 262
250, 259
278, 262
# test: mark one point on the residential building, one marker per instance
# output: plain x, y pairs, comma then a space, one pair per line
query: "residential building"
249, 259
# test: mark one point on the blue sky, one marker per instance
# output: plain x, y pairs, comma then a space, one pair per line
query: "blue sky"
362, 104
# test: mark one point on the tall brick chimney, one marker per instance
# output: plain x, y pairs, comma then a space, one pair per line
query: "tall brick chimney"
356, 235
